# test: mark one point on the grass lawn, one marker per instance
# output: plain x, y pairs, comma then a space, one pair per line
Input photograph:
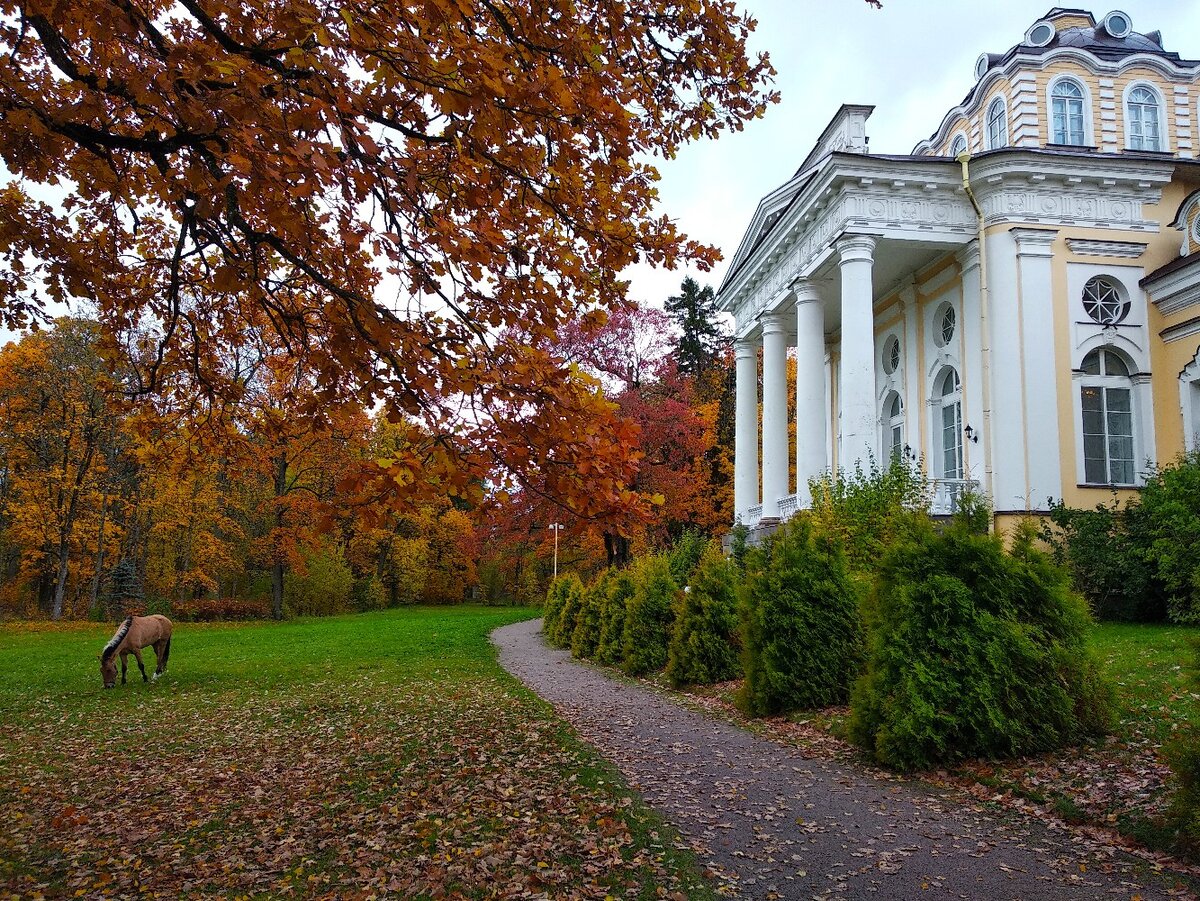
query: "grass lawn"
349, 757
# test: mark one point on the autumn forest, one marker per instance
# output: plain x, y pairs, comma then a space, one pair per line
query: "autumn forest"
112, 502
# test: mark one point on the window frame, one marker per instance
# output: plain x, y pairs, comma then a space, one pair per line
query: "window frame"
1106, 384
966, 145
940, 402
991, 119
1163, 143
1085, 100
892, 424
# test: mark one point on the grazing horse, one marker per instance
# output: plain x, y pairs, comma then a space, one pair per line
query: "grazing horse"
134, 634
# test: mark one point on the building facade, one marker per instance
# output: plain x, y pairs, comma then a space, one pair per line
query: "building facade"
1013, 303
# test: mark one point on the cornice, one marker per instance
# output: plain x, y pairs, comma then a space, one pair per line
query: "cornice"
1090, 247
1176, 291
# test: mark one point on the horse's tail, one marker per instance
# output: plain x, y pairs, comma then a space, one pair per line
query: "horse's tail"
166, 653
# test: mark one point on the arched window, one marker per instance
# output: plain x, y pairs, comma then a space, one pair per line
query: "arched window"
947, 397
893, 426
958, 146
997, 125
1106, 391
1143, 131
1066, 113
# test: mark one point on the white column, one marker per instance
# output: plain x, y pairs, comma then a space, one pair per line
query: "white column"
745, 434
811, 459
857, 384
774, 415
1043, 469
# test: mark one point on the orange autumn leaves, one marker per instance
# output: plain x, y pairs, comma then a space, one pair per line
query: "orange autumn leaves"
387, 194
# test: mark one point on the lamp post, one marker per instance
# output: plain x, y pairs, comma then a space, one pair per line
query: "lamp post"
556, 527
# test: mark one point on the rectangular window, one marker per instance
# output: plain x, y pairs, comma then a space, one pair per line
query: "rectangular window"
1107, 436
897, 442
952, 463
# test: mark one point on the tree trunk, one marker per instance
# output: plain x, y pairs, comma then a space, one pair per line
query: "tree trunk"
277, 591
617, 549
277, 568
60, 581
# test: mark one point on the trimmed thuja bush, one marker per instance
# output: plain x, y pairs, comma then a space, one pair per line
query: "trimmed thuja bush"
561, 610
586, 637
704, 640
802, 635
610, 648
974, 652
648, 615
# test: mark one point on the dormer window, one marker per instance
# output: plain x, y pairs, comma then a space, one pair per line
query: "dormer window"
959, 146
1143, 121
997, 125
1066, 113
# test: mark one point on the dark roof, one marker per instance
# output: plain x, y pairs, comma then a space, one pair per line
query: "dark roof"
1174, 266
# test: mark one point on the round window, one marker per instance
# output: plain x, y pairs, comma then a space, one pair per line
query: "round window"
1104, 300
982, 65
1117, 24
1041, 34
891, 355
943, 325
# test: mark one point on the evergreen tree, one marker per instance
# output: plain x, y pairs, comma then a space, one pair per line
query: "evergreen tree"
694, 310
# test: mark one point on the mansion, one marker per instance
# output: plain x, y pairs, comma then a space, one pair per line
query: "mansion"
1016, 302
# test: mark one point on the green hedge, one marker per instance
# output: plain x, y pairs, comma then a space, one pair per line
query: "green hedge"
561, 611
974, 652
610, 648
705, 641
648, 615
586, 637
802, 634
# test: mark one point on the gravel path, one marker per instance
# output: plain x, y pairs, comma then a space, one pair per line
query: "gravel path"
787, 826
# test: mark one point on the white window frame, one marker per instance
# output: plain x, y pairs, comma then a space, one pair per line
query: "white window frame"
938, 403
1110, 382
1164, 144
889, 423
1088, 138
1189, 403
966, 144
989, 118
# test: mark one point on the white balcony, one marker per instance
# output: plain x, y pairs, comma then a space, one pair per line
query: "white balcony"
945, 494
788, 506
753, 516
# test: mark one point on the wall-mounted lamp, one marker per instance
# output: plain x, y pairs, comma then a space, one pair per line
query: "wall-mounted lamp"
909, 454
972, 435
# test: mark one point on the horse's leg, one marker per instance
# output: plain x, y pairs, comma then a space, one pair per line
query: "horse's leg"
124, 665
137, 655
158, 657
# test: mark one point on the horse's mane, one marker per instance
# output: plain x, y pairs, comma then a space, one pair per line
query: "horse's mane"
122, 631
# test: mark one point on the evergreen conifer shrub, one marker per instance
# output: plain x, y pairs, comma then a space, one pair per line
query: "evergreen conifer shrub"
586, 637
562, 627
802, 636
704, 640
648, 615
975, 652
610, 647
685, 556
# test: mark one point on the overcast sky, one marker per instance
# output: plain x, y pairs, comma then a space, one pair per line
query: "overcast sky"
913, 61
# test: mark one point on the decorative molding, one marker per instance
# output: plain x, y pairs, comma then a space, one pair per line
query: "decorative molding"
1174, 292
1094, 248
1034, 242
1181, 331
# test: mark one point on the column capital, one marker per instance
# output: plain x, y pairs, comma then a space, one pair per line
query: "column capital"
774, 323
744, 348
805, 291
968, 257
1035, 242
856, 248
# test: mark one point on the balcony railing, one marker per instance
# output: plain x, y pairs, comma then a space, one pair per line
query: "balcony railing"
788, 506
752, 517
947, 493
